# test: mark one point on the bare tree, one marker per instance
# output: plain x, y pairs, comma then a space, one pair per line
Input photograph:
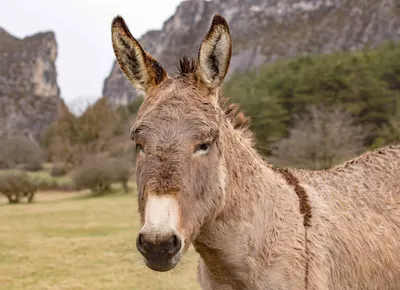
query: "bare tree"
319, 139
390, 133
72, 138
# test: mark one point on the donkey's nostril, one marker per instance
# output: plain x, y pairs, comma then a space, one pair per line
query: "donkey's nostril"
140, 244
174, 244
172, 240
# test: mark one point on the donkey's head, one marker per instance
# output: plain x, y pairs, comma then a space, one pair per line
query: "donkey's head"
180, 170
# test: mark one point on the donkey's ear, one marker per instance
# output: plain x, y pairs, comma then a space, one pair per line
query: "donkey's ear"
215, 54
140, 68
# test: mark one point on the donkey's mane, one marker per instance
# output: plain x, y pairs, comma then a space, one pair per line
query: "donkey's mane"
232, 111
367, 158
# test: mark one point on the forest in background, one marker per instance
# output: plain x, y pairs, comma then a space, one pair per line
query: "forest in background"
315, 111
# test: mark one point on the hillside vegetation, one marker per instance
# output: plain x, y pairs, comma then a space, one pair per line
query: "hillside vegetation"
364, 83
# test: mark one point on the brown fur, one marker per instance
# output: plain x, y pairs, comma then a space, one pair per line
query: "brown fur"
254, 226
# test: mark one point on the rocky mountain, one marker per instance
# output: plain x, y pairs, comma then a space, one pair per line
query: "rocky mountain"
29, 94
264, 30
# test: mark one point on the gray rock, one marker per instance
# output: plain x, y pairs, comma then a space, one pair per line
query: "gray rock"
29, 94
266, 30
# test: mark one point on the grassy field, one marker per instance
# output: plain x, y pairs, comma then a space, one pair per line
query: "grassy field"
69, 241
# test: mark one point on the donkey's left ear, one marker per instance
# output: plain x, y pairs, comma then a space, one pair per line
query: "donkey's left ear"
215, 54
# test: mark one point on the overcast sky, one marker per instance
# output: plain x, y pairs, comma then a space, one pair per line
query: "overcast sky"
83, 33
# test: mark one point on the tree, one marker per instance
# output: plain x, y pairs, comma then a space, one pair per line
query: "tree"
72, 138
319, 139
390, 133
365, 82
268, 117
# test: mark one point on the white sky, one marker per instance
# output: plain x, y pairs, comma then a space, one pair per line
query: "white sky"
83, 33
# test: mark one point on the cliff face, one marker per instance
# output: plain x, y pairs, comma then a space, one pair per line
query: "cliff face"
29, 94
264, 30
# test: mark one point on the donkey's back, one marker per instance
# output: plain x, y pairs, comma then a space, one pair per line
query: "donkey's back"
358, 223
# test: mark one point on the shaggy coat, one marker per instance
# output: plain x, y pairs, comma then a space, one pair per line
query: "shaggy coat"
200, 181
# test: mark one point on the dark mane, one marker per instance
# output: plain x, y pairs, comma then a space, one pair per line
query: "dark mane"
186, 66
238, 119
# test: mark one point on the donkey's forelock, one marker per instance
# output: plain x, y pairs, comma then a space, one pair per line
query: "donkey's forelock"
186, 66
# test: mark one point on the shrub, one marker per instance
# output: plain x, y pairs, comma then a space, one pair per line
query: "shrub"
98, 172
33, 165
19, 151
44, 181
54, 184
59, 169
17, 185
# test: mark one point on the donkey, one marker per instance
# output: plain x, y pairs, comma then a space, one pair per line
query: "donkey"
200, 181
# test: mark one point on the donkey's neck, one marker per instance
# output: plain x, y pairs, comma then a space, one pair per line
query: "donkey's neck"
260, 216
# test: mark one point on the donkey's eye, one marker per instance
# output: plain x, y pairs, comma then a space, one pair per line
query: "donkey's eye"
139, 147
202, 148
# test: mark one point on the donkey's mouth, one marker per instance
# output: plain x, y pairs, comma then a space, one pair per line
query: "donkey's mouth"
161, 263
160, 256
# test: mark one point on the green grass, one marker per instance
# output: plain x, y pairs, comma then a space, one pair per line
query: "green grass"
64, 241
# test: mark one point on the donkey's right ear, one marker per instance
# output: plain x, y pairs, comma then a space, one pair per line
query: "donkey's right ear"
140, 68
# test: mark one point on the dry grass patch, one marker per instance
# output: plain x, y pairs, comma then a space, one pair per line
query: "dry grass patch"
69, 242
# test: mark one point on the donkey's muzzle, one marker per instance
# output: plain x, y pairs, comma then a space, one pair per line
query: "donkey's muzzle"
160, 255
